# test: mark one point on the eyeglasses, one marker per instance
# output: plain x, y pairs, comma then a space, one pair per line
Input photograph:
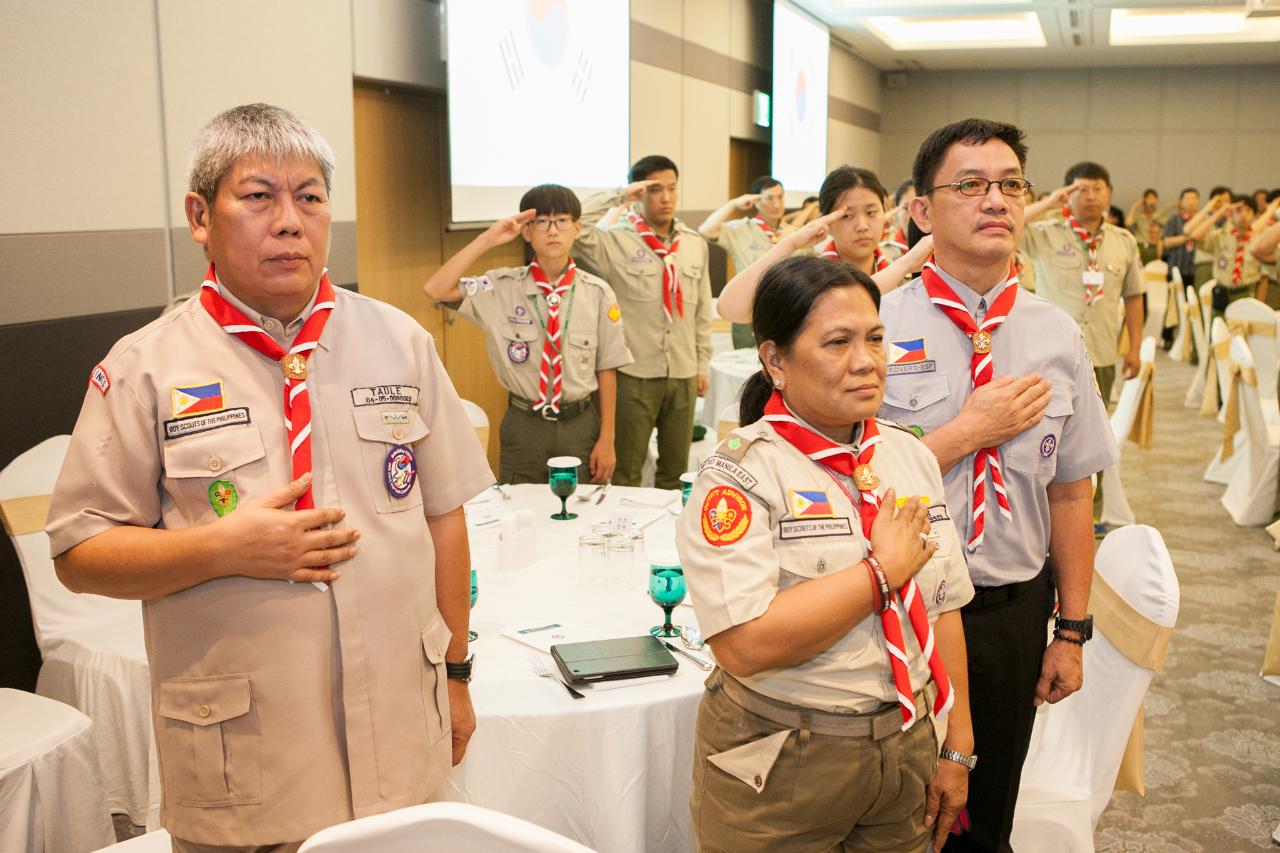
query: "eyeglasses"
1012, 187
562, 223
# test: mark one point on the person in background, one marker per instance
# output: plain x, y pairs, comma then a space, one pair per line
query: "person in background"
808, 210
802, 530
1261, 198
1218, 197
1115, 216
852, 203
894, 245
1263, 249
273, 435
553, 334
1017, 437
1223, 229
748, 237
1146, 220
657, 267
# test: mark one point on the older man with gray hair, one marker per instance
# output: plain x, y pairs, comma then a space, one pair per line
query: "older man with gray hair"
252, 466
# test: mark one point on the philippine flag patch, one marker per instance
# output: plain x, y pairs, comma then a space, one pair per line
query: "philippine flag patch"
906, 352
809, 503
196, 399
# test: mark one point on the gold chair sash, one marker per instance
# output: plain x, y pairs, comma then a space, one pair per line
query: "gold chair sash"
24, 515
1244, 328
1144, 421
1170, 311
1271, 661
1231, 414
1140, 640
1185, 353
482, 433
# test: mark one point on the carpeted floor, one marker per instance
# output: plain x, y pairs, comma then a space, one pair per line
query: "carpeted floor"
1212, 724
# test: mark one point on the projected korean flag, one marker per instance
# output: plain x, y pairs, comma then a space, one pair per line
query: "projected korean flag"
800, 54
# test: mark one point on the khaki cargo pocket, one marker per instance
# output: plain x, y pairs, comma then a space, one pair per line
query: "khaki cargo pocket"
435, 686
209, 741
381, 429
752, 762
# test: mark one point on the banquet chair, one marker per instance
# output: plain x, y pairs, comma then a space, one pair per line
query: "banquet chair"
50, 797
1196, 391
1254, 321
1220, 471
1206, 303
479, 422
94, 658
1155, 284
1088, 744
1250, 497
1134, 409
440, 826
727, 422
1181, 349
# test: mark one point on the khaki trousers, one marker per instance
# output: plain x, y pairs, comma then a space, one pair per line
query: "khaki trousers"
528, 440
642, 405
180, 846
822, 792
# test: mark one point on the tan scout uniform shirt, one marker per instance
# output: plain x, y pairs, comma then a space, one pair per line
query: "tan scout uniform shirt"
1060, 261
280, 709
734, 583
506, 304
745, 242
1222, 247
1147, 227
680, 349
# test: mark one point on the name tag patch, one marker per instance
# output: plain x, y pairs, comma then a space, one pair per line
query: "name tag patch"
807, 528
381, 395
926, 366
99, 379
938, 512
731, 468
190, 425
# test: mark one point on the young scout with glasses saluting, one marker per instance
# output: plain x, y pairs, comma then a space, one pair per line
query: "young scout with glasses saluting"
553, 333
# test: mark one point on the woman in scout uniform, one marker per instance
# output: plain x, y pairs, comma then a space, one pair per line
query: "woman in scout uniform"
553, 333
852, 203
822, 560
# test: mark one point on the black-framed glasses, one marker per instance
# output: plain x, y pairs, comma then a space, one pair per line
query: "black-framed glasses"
1012, 187
562, 223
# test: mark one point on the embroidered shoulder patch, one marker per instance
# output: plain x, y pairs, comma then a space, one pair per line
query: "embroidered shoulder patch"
726, 515
728, 466
98, 379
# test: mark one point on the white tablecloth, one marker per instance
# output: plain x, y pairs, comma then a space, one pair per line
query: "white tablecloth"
728, 371
611, 770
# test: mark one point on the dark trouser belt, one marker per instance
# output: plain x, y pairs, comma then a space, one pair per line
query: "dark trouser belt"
986, 596
567, 410
876, 725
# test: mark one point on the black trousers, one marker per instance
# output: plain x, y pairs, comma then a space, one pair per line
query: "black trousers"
1005, 630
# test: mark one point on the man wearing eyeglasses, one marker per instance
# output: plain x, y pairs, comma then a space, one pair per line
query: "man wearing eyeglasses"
997, 382
553, 333
658, 267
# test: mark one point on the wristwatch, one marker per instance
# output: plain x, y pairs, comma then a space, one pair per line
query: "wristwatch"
970, 761
1083, 627
460, 671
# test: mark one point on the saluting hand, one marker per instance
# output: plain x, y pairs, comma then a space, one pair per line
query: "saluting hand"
819, 229
266, 540
895, 537
506, 230
746, 201
1061, 194
636, 191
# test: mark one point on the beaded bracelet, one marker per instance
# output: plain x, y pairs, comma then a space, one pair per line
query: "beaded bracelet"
876, 599
886, 597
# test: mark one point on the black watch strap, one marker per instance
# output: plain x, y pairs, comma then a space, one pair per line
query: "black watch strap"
1083, 627
460, 671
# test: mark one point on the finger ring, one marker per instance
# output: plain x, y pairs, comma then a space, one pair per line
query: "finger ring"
924, 540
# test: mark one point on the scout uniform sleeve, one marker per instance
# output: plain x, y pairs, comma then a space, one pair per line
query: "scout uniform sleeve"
731, 236
1087, 444
702, 319
589, 249
726, 549
959, 586
112, 466
451, 464
1033, 242
477, 294
613, 350
1133, 274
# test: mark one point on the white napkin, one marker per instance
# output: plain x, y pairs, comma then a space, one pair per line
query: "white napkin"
624, 682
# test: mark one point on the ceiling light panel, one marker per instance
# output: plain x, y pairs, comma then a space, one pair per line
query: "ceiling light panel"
958, 33
1206, 25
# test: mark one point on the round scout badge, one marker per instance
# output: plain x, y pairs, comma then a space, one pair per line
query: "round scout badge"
865, 479
223, 497
518, 352
400, 471
294, 366
726, 515
982, 342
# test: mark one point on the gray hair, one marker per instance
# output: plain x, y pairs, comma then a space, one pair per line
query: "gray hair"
257, 129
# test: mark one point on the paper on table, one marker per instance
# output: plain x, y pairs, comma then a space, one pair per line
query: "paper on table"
624, 682
542, 635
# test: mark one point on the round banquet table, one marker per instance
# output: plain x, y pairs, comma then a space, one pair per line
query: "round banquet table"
729, 370
612, 770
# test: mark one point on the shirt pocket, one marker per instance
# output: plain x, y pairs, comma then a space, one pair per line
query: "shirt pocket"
1066, 262
690, 275
209, 741
1035, 451
435, 688
643, 280
813, 557
381, 431
581, 354
193, 465
916, 401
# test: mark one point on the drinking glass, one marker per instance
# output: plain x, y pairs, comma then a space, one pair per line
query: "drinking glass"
562, 476
472, 636
667, 589
686, 485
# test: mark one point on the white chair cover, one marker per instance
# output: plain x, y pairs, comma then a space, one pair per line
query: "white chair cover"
1206, 304
1116, 511
50, 797
1256, 323
157, 841
440, 826
1195, 393
1077, 744
1220, 471
1155, 283
94, 656
1181, 349
1250, 497
479, 420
